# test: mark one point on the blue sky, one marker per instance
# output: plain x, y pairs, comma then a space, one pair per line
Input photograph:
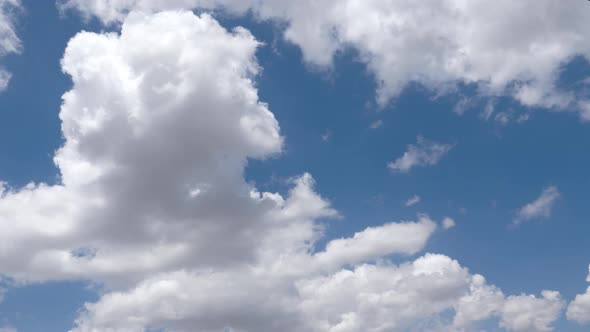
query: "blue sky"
326, 113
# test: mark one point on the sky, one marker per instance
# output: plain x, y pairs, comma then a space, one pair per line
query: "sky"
335, 166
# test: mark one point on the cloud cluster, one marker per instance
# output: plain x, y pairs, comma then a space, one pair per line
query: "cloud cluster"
152, 204
513, 49
424, 153
9, 41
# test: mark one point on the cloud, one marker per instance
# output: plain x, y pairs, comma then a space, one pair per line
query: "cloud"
158, 127
412, 200
374, 242
327, 135
540, 208
9, 41
152, 204
376, 124
529, 313
439, 45
579, 309
424, 153
448, 223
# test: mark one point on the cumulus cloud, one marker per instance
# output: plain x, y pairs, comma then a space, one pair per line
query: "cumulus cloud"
9, 41
579, 309
424, 153
412, 200
437, 44
540, 208
159, 125
529, 313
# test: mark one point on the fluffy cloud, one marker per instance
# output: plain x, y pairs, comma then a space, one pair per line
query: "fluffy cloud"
424, 153
529, 313
514, 48
372, 298
158, 129
159, 125
9, 41
539, 208
579, 309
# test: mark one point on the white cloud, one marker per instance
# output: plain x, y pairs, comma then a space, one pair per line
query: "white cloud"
424, 153
579, 309
375, 242
448, 223
9, 41
412, 200
158, 126
539, 208
531, 314
166, 107
437, 44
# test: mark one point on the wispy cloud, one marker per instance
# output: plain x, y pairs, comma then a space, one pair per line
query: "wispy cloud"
413, 200
376, 124
448, 223
327, 135
540, 208
424, 153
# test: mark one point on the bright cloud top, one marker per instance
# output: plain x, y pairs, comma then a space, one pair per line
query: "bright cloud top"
9, 41
424, 153
158, 126
540, 208
515, 48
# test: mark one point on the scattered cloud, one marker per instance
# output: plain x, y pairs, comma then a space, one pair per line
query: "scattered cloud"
376, 124
412, 200
327, 135
540, 208
579, 309
448, 223
424, 153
